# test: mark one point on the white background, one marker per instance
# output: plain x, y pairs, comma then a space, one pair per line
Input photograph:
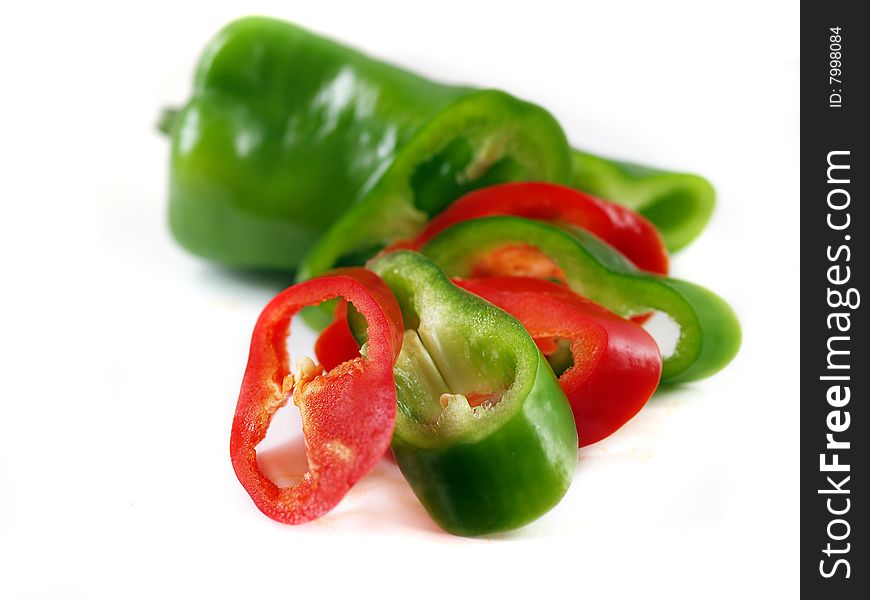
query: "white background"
121, 355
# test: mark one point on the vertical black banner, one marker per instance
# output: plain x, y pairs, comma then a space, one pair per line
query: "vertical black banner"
834, 370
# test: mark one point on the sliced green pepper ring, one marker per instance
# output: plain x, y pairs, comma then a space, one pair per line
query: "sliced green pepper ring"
709, 330
484, 433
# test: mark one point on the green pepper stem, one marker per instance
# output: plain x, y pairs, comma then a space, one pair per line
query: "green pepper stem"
166, 120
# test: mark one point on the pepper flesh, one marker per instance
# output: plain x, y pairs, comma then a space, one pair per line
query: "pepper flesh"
348, 414
709, 331
622, 228
615, 365
505, 460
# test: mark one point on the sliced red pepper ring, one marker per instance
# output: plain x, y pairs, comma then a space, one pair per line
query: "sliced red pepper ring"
620, 227
616, 363
348, 413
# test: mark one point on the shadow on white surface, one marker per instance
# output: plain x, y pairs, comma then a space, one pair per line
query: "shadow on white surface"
221, 277
381, 500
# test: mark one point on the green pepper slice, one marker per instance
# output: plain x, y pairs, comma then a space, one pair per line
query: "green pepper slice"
709, 331
484, 434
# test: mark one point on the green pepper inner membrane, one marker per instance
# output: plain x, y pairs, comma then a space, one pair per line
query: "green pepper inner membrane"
440, 368
458, 169
359, 257
439, 374
461, 166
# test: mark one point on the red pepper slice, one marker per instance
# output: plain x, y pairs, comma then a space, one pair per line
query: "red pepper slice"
617, 364
348, 414
622, 228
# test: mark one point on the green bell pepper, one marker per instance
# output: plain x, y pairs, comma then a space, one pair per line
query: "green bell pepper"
709, 331
484, 434
288, 135
678, 204
286, 131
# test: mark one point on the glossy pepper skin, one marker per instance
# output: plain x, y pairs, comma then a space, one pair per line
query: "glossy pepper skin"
484, 434
347, 413
570, 209
709, 331
615, 364
678, 204
287, 134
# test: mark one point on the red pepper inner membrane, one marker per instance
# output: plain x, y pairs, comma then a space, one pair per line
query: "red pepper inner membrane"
281, 455
519, 260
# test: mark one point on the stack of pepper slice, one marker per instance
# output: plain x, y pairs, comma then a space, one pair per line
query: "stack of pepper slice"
506, 369
497, 325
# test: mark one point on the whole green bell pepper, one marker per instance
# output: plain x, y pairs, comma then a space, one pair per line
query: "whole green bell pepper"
286, 131
709, 331
484, 434
288, 135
